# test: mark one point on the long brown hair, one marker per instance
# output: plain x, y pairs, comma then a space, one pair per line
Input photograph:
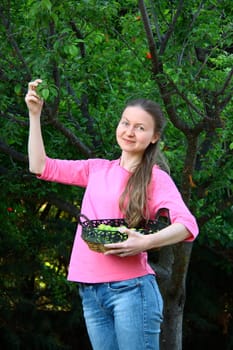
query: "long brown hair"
133, 201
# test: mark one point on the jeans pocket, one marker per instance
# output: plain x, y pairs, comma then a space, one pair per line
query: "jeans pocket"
121, 286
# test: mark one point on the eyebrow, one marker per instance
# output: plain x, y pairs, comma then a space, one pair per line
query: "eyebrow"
123, 117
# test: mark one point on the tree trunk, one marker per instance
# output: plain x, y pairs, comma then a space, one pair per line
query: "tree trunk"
171, 334
172, 271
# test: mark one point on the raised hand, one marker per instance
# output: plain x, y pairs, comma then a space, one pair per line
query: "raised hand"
33, 100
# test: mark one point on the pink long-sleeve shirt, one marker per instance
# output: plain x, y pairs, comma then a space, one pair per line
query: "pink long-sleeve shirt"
104, 182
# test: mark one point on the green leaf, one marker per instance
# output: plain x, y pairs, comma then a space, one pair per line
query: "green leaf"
47, 4
45, 94
18, 89
73, 50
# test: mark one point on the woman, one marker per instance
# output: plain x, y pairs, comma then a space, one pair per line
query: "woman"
121, 301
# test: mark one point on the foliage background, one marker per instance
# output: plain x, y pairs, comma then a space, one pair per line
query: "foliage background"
94, 56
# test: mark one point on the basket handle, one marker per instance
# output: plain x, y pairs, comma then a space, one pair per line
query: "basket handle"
84, 217
163, 212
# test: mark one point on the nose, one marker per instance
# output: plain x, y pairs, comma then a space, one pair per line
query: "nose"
130, 130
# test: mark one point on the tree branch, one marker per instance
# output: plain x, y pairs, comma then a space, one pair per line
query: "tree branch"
55, 69
171, 28
15, 155
186, 40
83, 104
79, 36
154, 16
150, 37
226, 84
62, 205
73, 139
14, 44
165, 86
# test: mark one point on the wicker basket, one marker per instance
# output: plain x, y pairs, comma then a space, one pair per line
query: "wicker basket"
96, 238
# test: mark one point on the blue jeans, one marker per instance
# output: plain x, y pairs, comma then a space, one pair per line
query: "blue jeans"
123, 315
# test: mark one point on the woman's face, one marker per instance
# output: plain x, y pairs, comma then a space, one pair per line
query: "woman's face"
136, 130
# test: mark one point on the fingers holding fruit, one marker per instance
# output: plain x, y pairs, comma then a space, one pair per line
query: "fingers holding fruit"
134, 245
39, 91
33, 100
33, 84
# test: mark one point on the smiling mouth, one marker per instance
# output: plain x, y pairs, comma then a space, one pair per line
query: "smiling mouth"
128, 141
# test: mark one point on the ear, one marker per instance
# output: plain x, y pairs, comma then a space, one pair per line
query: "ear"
155, 138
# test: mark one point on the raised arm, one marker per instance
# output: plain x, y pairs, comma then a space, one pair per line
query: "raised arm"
36, 150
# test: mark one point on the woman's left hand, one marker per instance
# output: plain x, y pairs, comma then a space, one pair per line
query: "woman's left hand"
137, 242
133, 245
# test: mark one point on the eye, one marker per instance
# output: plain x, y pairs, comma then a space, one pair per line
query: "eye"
140, 128
124, 123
